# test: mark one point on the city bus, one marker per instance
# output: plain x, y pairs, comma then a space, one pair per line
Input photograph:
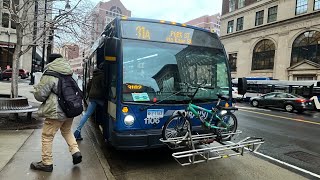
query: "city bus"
147, 64
307, 89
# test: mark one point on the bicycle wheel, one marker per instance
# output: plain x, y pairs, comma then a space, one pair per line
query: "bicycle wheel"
231, 122
176, 126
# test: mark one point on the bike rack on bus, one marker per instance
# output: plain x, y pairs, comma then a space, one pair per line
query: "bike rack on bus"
206, 152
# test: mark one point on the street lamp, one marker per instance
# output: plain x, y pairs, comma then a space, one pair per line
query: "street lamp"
34, 48
51, 31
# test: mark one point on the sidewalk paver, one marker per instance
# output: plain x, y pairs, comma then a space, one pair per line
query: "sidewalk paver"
10, 143
19, 166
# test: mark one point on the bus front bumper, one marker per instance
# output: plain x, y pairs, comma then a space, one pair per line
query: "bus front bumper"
134, 140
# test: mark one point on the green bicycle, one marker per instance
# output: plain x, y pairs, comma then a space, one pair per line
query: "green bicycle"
222, 122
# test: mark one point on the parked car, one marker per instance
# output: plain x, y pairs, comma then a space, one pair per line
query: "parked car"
235, 95
7, 74
289, 102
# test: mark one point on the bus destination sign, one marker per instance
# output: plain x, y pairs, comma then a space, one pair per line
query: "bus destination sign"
157, 32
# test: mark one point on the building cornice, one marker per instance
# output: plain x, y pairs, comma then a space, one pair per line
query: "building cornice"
301, 18
243, 10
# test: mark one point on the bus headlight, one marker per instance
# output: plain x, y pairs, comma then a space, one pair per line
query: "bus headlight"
128, 120
223, 112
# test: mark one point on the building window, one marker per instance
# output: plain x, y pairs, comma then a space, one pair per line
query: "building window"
305, 78
241, 3
230, 27
301, 6
239, 24
272, 14
259, 17
233, 62
232, 5
316, 5
306, 47
5, 20
6, 3
263, 55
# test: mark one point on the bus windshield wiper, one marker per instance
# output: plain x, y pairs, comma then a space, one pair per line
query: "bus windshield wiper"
173, 94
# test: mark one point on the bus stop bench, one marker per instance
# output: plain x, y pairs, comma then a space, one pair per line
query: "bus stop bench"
29, 112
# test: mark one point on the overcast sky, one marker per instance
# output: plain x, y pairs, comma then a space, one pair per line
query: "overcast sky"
171, 10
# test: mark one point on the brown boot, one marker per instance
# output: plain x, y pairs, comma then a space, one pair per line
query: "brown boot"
41, 167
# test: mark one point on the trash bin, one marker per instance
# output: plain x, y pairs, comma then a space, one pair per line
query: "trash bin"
37, 77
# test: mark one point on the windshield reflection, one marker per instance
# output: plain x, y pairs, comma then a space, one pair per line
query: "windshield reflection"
154, 71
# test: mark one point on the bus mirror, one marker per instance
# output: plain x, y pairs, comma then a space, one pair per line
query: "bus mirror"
110, 46
242, 86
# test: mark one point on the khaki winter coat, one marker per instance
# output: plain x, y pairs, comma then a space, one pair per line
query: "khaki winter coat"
43, 91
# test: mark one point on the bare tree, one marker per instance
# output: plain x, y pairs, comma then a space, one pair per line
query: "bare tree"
47, 19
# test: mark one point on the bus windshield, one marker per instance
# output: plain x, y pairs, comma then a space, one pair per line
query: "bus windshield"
155, 71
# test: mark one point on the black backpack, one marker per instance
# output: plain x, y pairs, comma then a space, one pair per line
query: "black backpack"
69, 94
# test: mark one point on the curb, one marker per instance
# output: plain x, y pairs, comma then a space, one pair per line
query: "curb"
97, 148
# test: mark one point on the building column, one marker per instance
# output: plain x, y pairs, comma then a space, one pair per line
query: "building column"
244, 59
282, 58
318, 76
310, 6
290, 77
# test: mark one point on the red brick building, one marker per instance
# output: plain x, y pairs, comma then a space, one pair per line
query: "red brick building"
70, 51
207, 22
105, 12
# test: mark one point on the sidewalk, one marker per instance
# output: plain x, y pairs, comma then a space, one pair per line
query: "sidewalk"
19, 148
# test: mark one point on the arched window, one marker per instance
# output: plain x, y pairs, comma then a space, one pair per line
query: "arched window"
263, 55
306, 47
116, 11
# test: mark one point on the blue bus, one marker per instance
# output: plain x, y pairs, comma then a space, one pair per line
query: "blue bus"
146, 62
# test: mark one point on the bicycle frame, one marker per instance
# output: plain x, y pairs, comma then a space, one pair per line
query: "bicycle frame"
193, 108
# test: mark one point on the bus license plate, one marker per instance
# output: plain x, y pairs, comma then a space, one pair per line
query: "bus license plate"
155, 113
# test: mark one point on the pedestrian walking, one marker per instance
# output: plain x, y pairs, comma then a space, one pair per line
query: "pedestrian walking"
96, 98
48, 92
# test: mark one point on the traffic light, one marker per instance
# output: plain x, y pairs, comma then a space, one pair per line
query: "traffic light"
82, 53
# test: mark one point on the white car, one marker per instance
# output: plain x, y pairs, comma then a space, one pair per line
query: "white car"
235, 94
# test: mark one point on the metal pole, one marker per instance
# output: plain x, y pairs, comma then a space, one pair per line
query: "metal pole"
44, 38
34, 48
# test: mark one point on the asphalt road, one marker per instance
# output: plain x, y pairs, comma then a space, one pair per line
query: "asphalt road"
290, 137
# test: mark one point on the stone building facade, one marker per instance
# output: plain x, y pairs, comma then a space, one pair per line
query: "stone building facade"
211, 23
272, 38
8, 37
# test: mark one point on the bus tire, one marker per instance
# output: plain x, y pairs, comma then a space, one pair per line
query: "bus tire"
182, 131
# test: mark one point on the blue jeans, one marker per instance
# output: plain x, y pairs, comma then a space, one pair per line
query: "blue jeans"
91, 108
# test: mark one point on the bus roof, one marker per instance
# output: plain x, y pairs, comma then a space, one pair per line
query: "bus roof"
279, 82
165, 22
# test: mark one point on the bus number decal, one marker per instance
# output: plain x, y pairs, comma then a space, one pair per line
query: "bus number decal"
143, 33
154, 116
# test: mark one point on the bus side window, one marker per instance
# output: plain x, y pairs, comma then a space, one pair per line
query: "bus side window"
113, 81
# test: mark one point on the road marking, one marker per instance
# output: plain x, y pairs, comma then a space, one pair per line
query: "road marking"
289, 165
252, 108
292, 119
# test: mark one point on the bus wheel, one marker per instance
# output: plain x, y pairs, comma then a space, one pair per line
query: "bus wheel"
288, 108
255, 103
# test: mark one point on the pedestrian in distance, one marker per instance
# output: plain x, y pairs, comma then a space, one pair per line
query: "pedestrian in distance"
96, 98
48, 91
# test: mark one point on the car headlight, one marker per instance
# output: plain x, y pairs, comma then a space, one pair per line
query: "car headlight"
128, 120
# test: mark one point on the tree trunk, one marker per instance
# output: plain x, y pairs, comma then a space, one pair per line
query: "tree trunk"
15, 62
